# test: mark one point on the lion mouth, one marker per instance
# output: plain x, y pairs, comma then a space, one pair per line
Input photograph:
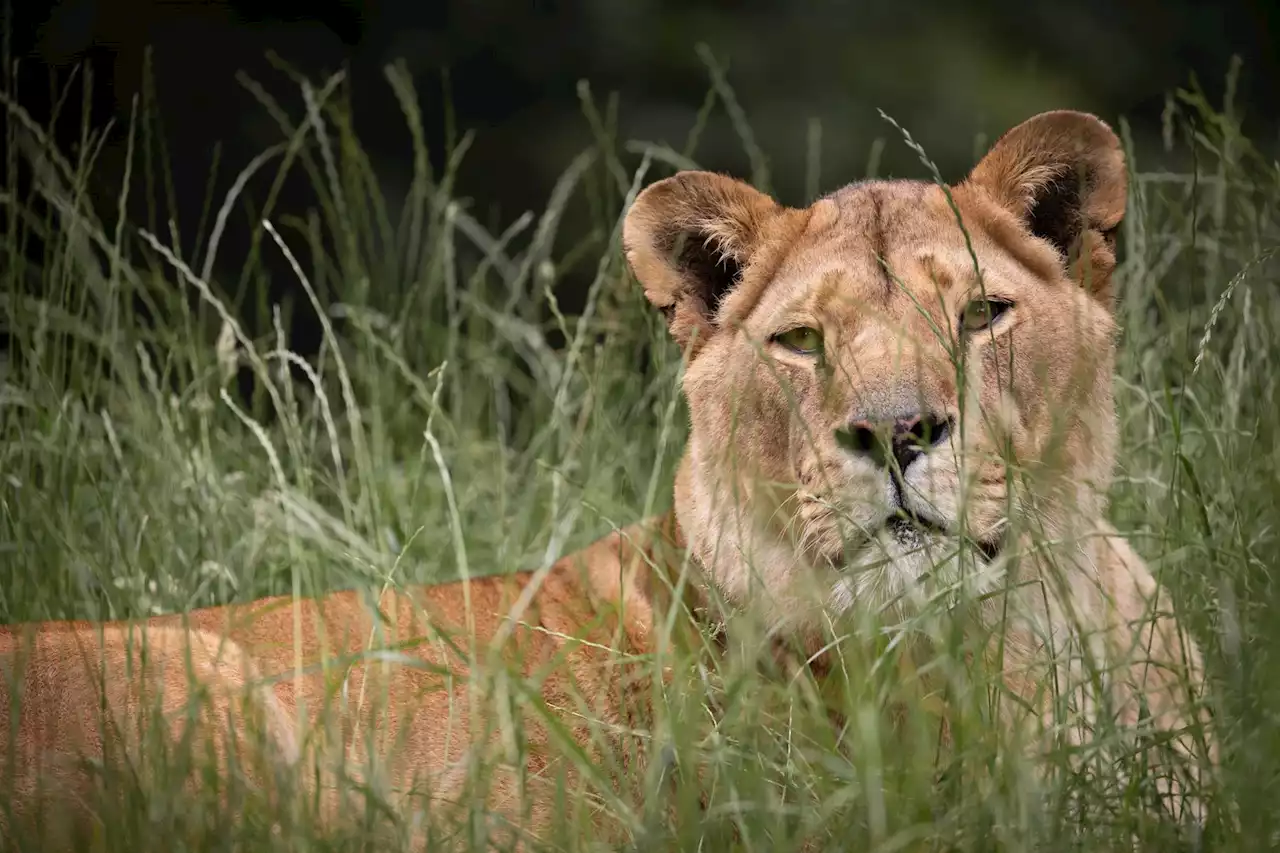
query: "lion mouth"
909, 529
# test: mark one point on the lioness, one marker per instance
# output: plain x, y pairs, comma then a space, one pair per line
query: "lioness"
831, 353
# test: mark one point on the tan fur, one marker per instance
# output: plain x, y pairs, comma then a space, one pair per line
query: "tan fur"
781, 517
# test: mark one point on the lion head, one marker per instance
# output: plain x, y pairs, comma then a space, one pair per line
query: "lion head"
895, 377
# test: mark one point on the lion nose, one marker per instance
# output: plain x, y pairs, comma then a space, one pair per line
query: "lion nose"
903, 438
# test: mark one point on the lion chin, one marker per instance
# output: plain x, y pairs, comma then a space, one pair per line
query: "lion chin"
912, 552
901, 554
908, 562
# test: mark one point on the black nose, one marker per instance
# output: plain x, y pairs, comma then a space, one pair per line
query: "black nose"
903, 439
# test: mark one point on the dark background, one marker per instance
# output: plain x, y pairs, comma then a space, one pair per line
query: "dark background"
954, 74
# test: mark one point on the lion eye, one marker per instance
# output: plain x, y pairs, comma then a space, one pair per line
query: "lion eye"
981, 313
801, 339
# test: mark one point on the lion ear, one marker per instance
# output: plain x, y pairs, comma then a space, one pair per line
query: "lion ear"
1062, 175
688, 240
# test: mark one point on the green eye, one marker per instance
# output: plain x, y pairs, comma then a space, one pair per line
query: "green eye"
981, 313
801, 339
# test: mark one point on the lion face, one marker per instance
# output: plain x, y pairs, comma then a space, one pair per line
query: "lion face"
879, 396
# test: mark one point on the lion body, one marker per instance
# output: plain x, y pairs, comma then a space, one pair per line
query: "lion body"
302, 682
787, 499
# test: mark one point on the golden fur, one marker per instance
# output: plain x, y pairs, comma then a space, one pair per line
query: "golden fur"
785, 497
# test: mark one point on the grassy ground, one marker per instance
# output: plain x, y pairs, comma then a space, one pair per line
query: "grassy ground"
158, 454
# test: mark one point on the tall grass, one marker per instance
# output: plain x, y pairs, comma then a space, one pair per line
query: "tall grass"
164, 448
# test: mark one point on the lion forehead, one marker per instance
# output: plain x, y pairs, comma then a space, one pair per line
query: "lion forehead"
874, 246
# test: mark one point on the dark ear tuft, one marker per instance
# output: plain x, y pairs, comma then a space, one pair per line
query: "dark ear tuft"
716, 272
1055, 213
